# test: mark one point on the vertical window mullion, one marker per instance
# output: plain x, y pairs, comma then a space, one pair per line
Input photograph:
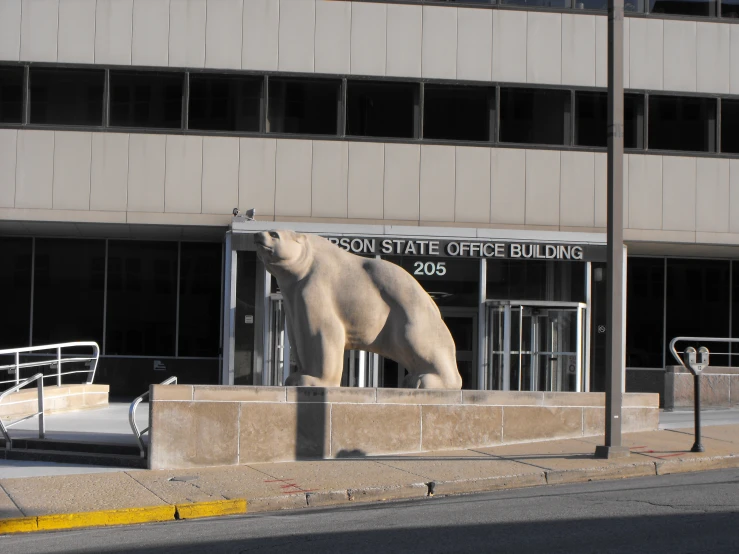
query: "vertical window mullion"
186, 101
418, 115
33, 286
571, 141
492, 114
26, 102
177, 303
264, 116
496, 131
106, 102
342, 109
717, 131
105, 301
646, 121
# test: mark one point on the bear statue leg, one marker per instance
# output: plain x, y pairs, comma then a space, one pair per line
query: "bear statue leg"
322, 358
432, 360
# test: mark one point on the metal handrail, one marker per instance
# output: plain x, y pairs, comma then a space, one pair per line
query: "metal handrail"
132, 416
696, 339
58, 361
41, 424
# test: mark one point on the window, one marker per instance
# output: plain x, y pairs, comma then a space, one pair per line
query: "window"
682, 123
534, 116
730, 8
200, 299
591, 119
66, 96
705, 8
246, 315
303, 107
645, 312
538, 3
152, 100
729, 125
458, 113
15, 293
517, 280
382, 109
69, 277
11, 94
142, 298
225, 103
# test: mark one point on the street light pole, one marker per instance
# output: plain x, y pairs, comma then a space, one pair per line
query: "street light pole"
615, 237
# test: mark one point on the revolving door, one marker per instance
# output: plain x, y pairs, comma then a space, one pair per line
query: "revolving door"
537, 346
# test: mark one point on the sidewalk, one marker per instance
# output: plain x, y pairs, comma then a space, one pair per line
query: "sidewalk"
137, 496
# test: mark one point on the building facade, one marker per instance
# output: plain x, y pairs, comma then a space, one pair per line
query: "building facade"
130, 130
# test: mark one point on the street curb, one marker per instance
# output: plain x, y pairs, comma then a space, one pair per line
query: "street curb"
126, 516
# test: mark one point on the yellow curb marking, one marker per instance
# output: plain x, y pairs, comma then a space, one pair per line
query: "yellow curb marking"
126, 516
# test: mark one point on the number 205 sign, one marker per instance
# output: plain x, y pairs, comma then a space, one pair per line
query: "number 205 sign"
429, 268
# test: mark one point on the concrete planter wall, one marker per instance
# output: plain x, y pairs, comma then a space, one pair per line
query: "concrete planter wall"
66, 398
719, 388
195, 426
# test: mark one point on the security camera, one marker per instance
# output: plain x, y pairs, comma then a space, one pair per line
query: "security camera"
236, 212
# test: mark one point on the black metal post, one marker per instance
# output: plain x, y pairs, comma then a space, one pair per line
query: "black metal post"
697, 446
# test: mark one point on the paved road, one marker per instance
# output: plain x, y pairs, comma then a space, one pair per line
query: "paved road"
689, 513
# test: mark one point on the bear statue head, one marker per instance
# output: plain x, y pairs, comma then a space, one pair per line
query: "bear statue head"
281, 250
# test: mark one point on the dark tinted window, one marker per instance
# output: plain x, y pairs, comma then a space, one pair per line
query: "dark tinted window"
15, 293
591, 119
729, 126
516, 280
730, 8
142, 298
303, 107
66, 96
734, 313
645, 312
69, 277
151, 100
200, 299
704, 8
11, 94
534, 116
225, 103
681, 123
538, 3
246, 315
458, 113
381, 109
698, 304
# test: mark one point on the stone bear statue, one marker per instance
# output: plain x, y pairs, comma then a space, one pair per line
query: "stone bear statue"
336, 301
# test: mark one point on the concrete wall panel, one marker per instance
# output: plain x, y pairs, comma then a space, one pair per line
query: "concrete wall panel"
369, 25
645, 192
113, 31
712, 195
680, 55
10, 30
713, 57
297, 35
646, 45
508, 186
72, 154
34, 170
402, 181
472, 199
109, 172
146, 157
509, 46
474, 44
150, 42
544, 48
261, 35
223, 34
577, 197
542, 187
578, 49
404, 38
293, 178
220, 175
257, 175
437, 183
333, 37
187, 33
439, 50
678, 193
184, 174
329, 180
39, 30
366, 176
8, 142
76, 42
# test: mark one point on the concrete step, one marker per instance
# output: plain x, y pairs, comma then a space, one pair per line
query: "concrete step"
101, 454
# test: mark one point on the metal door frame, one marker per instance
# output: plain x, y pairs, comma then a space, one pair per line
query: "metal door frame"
582, 340
473, 314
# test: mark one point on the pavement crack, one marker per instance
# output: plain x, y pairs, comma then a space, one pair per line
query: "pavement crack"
147, 488
13, 500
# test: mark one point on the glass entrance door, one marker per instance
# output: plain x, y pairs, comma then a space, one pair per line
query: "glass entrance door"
462, 324
536, 346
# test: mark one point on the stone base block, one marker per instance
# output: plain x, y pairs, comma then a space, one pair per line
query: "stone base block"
66, 398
